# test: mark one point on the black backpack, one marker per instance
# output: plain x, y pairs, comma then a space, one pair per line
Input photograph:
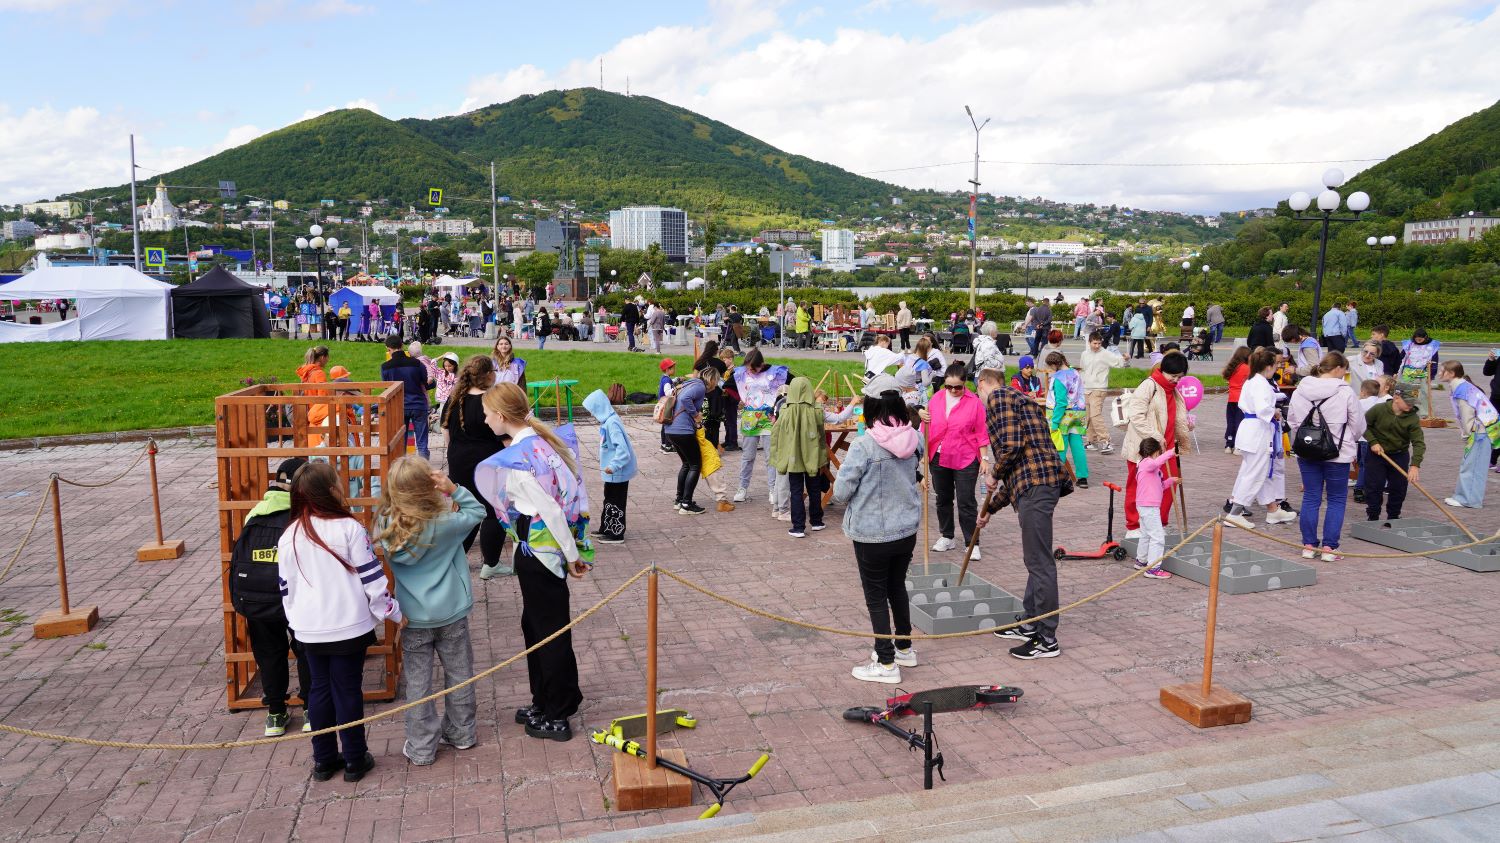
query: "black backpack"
254, 585
1313, 441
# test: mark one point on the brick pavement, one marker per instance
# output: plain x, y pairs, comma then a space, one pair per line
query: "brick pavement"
1374, 636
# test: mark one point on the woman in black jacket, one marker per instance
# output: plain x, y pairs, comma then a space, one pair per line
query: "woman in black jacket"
1492, 368
471, 442
1260, 333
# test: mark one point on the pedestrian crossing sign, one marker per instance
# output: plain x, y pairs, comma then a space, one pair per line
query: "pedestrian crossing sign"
156, 257
487, 259
434, 196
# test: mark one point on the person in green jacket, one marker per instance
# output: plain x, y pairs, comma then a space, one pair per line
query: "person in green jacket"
799, 450
421, 524
1392, 429
804, 326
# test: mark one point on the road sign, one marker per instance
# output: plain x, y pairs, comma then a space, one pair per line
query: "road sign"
227, 190
156, 257
434, 196
590, 266
781, 261
487, 260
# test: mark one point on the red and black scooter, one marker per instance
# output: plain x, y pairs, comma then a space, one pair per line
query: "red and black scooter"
1110, 547
958, 698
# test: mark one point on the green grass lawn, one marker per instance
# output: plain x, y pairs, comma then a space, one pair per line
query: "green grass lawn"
61, 388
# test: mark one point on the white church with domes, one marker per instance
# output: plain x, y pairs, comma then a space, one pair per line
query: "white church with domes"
161, 214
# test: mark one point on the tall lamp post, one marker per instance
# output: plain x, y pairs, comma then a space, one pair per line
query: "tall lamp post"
1381, 245
1328, 203
316, 246
974, 212
1186, 265
1026, 250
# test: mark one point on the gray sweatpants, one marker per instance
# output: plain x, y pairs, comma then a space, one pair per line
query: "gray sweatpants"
778, 490
1034, 508
451, 645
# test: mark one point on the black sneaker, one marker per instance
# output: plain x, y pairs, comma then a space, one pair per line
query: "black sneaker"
355, 772
668, 449
550, 730
1359, 495
1083, 483
601, 538
527, 714
324, 772
690, 508
1037, 648
1017, 633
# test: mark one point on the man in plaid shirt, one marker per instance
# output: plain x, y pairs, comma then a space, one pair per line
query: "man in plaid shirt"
1029, 476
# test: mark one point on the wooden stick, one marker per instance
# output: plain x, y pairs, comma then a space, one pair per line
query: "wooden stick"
155, 493
62, 566
1213, 606
820, 380
1181, 496
974, 539
853, 393
1427, 385
651, 593
1445, 510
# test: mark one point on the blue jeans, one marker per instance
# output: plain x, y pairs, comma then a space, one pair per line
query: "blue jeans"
1319, 479
1217, 332
418, 421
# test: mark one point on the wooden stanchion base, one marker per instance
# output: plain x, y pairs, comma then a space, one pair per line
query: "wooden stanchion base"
169, 549
54, 624
638, 788
1433, 422
1222, 707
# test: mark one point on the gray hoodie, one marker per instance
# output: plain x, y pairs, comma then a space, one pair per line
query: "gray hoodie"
1341, 411
879, 489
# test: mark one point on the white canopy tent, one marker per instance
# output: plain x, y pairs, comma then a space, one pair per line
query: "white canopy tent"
450, 281
114, 303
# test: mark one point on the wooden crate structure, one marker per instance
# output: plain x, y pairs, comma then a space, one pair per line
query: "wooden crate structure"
257, 428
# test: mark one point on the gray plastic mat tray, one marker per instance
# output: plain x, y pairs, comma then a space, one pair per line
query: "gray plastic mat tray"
1429, 537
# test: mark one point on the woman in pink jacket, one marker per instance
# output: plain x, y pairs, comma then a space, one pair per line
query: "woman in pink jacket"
956, 439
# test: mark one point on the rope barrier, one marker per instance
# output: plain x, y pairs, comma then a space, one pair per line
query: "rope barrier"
919, 636
51, 736
1353, 555
117, 478
41, 505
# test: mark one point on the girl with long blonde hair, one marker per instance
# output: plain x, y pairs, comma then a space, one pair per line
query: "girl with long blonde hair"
535, 489
421, 523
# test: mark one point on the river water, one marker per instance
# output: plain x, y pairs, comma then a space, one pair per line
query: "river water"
1070, 294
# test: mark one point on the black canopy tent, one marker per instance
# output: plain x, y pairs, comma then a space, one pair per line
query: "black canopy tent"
219, 306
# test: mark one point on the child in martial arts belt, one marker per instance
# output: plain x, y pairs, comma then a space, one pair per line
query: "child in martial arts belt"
1262, 475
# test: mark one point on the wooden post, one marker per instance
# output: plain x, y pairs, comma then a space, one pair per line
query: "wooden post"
162, 549
640, 783
55, 623
926, 504
651, 595
1202, 704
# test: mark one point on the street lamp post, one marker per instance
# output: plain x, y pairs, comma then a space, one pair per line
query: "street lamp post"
1185, 267
1328, 203
1026, 249
1381, 245
974, 212
316, 246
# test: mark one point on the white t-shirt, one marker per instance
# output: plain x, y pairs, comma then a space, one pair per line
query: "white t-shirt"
1189, 312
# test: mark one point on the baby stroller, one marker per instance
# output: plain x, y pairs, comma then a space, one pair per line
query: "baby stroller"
1200, 348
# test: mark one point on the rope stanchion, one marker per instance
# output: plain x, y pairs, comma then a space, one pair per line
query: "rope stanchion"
855, 633
390, 712
36, 518
162, 549
57, 623
1203, 705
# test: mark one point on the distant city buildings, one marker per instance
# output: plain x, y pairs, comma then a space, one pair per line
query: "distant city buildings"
66, 209
18, 229
786, 235
551, 234
637, 228
452, 227
160, 214
516, 238
1430, 232
838, 249
1061, 247
63, 241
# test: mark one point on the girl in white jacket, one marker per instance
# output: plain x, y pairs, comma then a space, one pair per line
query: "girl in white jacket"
1262, 476
334, 592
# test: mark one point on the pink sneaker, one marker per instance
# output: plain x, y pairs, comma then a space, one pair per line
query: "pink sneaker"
1158, 573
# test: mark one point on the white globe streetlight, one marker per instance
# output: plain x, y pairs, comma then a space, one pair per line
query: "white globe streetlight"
302, 243
1328, 202
315, 230
1333, 177
1299, 201
1381, 245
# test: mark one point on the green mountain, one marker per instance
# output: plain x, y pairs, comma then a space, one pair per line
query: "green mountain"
596, 148
1454, 171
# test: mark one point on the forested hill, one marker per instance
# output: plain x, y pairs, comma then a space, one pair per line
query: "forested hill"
1454, 171
599, 149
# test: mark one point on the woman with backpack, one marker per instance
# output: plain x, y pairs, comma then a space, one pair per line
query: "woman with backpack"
1326, 422
684, 411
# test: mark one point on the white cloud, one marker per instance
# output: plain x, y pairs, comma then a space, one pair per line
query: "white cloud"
1076, 82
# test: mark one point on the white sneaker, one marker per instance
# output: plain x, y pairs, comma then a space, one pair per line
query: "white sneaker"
1091, 447
1237, 517
740, 495
942, 544
977, 556
1280, 516
1453, 502
877, 672
1132, 534
1107, 449
904, 658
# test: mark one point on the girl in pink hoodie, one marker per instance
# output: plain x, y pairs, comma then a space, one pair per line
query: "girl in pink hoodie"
1149, 489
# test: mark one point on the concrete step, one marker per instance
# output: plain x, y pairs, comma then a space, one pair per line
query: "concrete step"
1189, 794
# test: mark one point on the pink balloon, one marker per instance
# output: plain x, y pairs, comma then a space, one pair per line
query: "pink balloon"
1191, 390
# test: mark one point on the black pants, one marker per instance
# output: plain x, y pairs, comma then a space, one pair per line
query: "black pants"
812, 511
491, 539
1338, 343
711, 425
1137, 348
337, 697
882, 577
630, 333
731, 421
1233, 415
1034, 509
612, 519
956, 484
552, 670
1383, 481
905, 339
269, 640
692, 464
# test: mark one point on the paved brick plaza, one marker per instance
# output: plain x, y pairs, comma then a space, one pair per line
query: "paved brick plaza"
1372, 637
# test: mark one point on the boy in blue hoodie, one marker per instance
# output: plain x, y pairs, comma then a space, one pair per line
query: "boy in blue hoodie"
422, 521
616, 465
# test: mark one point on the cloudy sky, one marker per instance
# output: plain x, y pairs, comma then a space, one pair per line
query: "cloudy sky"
875, 86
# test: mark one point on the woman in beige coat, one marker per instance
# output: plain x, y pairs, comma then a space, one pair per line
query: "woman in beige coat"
903, 325
1154, 410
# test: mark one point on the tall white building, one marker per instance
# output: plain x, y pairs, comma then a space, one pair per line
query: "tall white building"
161, 214
637, 228
838, 249
1466, 228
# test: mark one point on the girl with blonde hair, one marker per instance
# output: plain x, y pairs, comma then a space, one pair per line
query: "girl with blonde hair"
535, 489
421, 523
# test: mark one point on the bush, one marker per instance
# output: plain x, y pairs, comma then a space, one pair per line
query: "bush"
748, 301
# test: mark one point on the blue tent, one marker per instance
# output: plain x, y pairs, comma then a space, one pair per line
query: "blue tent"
358, 298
